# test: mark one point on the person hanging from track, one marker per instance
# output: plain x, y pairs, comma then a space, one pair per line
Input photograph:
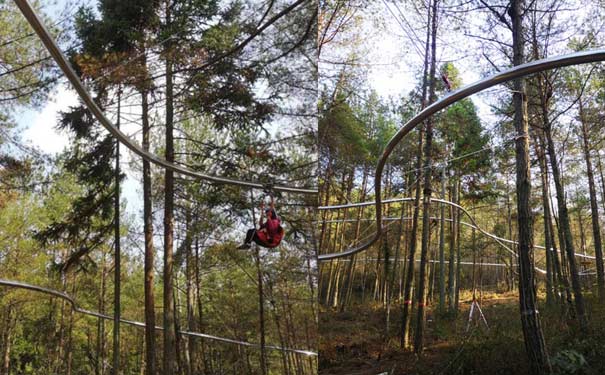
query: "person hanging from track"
270, 232
446, 82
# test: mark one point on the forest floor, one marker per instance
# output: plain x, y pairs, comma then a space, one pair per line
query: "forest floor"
352, 342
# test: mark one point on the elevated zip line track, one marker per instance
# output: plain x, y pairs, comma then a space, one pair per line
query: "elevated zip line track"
54, 50
56, 53
501, 241
74, 306
453, 97
473, 224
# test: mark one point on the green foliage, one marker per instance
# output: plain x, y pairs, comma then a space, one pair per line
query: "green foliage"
89, 223
464, 135
341, 133
27, 76
453, 75
121, 28
569, 362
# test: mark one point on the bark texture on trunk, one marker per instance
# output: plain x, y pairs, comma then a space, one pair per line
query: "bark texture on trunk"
594, 208
426, 209
150, 362
170, 358
534, 340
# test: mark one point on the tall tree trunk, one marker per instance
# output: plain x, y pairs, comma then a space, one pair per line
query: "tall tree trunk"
198, 297
406, 313
458, 252
559, 280
100, 345
181, 348
150, 361
190, 277
600, 167
510, 236
261, 313
426, 207
326, 191
594, 209
170, 361
7, 341
452, 267
565, 231
393, 274
386, 249
117, 261
534, 340
551, 277
69, 345
579, 208
352, 263
442, 248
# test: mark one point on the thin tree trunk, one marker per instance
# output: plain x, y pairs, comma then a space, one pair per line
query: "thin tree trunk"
190, 277
409, 277
393, 275
551, 277
150, 360
442, 248
8, 340
581, 225
170, 360
69, 345
100, 347
117, 260
198, 297
594, 209
560, 281
452, 267
261, 313
426, 207
566, 234
458, 253
510, 235
600, 167
351, 268
406, 314
534, 340
181, 345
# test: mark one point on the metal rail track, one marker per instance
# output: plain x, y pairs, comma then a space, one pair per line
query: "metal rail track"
30, 14
74, 306
453, 97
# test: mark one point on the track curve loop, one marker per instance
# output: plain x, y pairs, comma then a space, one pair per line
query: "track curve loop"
453, 97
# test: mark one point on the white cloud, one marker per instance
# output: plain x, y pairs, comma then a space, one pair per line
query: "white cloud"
41, 130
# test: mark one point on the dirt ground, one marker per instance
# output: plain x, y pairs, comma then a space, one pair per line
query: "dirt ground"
352, 342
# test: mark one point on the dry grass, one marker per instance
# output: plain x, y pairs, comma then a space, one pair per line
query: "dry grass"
353, 342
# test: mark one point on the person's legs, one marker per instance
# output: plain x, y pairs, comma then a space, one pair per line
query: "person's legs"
257, 240
249, 237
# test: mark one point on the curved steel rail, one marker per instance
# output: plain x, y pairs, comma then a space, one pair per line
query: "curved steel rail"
394, 200
501, 241
61, 60
473, 224
74, 306
504, 76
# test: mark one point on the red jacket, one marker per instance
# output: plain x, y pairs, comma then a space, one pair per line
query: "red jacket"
272, 234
